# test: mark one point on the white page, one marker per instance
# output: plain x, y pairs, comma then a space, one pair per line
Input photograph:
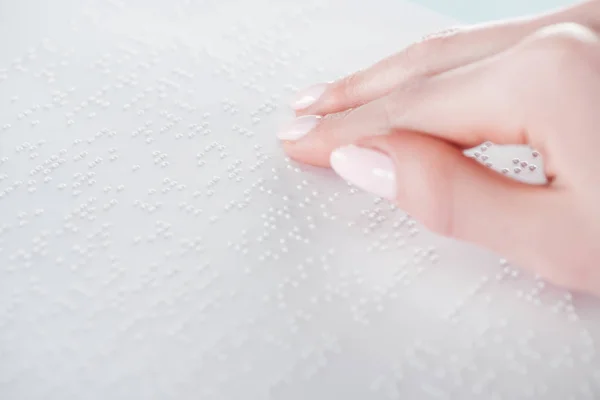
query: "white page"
155, 243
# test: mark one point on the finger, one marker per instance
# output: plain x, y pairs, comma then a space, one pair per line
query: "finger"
541, 88
433, 55
430, 56
451, 194
311, 138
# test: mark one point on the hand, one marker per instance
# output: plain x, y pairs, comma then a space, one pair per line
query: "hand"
399, 129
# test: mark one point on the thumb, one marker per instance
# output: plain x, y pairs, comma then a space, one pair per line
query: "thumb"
446, 191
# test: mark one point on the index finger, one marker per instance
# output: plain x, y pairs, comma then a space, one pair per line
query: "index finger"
435, 54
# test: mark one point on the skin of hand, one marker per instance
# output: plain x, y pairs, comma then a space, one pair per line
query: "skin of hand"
399, 130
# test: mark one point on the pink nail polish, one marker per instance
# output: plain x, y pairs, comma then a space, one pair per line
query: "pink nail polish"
367, 169
299, 127
307, 97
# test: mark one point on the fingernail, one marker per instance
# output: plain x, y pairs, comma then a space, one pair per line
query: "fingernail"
367, 169
307, 97
299, 127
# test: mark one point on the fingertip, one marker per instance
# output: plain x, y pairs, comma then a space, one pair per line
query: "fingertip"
310, 153
302, 142
299, 128
306, 99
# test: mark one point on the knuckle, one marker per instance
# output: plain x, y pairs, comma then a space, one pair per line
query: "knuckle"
349, 87
414, 58
569, 32
403, 101
554, 63
566, 47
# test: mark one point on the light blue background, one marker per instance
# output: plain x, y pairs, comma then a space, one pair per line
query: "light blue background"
472, 11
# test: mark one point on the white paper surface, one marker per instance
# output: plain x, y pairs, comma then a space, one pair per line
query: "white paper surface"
156, 244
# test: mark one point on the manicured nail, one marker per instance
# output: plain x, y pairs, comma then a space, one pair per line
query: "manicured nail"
299, 127
307, 97
367, 169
